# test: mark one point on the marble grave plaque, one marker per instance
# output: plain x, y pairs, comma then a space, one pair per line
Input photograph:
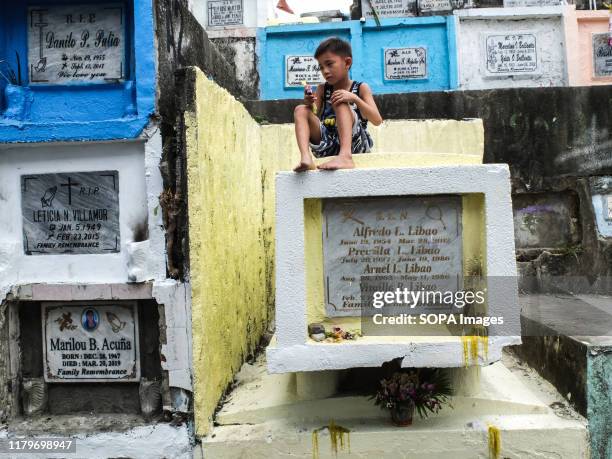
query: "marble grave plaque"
388, 8
82, 43
602, 56
381, 244
405, 63
225, 13
511, 54
520, 3
434, 6
70, 213
302, 68
91, 343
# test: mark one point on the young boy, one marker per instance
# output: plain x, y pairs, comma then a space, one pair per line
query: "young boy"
344, 107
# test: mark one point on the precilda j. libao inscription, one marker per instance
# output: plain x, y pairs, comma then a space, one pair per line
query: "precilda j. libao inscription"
90, 343
70, 213
76, 43
381, 244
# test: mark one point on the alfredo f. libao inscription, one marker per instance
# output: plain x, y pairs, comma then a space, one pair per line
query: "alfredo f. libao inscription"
70, 213
91, 343
381, 244
76, 44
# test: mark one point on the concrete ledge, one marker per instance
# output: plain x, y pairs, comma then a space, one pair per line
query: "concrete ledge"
512, 14
79, 292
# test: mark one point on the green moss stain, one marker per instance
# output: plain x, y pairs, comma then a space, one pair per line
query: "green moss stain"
336, 436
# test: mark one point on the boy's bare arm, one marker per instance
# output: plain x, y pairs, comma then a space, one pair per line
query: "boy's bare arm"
365, 103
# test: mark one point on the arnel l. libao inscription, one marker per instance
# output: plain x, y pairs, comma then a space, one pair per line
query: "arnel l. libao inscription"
388, 243
300, 69
511, 54
405, 63
91, 343
83, 43
70, 213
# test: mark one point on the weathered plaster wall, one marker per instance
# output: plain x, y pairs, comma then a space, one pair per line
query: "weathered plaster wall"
240, 53
545, 23
227, 250
579, 27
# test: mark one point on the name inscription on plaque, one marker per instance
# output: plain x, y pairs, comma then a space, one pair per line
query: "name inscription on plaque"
381, 244
70, 213
602, 55
405, 63
388, 8
76, 44
429, 6
511, 54
91, 343
300, 69
225, 13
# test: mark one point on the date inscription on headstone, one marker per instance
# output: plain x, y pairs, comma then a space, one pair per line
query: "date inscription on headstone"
381, 244
83, 43
70, 213
405, 63
388, 8
511, 54
602, 56
302, 68
91, 343
225, 13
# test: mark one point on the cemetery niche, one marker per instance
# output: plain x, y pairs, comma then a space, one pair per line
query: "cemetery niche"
95, 356
392, 232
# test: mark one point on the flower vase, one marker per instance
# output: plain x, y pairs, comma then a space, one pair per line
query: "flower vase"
401, 414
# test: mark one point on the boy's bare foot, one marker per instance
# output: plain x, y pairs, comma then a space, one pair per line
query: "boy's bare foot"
339, 162
305, 165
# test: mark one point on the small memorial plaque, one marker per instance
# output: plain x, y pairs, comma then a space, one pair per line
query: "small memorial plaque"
511, 54
434, 6
225, 13
300, 69
388, 8
91, 343
381, 244
83, 43
520, 3
602, 56
405, 63
70, 213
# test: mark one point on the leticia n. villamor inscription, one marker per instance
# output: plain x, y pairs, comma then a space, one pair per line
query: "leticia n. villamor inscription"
83, 43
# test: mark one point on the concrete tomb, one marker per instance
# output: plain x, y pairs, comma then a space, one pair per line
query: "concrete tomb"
77, 44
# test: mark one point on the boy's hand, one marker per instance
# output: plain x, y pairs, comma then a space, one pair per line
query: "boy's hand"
309, 97
341, 96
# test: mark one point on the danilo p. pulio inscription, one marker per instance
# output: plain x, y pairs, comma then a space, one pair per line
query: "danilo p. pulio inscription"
70, 213
83, 43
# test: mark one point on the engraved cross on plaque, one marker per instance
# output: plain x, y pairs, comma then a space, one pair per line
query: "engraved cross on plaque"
70, 184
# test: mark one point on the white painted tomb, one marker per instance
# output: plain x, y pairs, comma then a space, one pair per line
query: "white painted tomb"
299, 267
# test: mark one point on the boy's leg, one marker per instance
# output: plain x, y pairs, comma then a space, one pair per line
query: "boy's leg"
345, 118
307, 130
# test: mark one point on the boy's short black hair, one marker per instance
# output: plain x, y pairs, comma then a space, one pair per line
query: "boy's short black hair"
334, 45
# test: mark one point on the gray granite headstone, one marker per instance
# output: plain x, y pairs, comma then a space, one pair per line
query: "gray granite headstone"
90, 343
70, 213
388, 8
225, 13
82, 43
511, 54
602, 56
405, 63
381, 244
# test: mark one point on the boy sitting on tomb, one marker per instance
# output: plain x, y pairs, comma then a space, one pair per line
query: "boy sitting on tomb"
345, 107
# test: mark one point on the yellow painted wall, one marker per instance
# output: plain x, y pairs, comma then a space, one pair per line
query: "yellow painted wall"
231, 164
